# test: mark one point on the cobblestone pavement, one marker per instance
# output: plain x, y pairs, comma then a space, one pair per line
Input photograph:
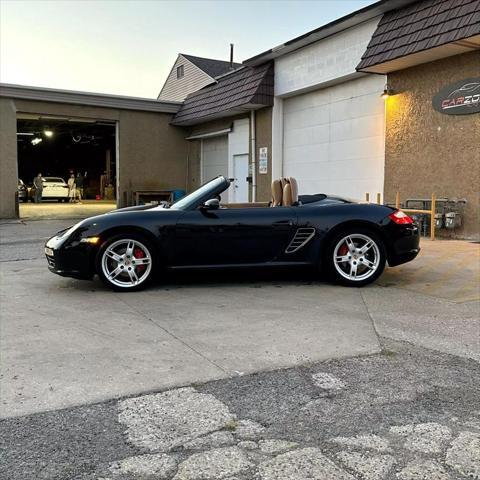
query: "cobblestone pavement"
404, 414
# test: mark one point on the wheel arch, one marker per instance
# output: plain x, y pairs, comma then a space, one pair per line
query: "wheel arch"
128, 229
350, 224
125, 229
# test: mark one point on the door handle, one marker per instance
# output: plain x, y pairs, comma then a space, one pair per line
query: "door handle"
283, 223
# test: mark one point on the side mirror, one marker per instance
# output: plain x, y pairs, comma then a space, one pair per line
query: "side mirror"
212, 204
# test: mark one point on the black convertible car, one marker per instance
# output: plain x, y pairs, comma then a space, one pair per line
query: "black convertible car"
350, 241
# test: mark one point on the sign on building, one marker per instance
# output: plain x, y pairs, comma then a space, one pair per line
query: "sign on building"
459, 98
263, 160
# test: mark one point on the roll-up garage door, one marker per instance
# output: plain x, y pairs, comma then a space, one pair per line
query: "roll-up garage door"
334, 139
214, 157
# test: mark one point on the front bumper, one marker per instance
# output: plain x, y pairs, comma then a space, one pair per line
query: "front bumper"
70, 260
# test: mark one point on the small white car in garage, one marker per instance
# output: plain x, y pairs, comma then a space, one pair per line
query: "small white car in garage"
54, 188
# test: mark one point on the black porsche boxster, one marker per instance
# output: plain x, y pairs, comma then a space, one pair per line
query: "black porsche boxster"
126, 247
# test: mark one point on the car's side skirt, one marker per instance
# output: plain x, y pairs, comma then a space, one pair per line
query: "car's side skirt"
240, 265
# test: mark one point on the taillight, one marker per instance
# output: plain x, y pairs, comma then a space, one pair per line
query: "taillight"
400, 218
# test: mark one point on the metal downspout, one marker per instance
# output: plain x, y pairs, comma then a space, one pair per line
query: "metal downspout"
253, 149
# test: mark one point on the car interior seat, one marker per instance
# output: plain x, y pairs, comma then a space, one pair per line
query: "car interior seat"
277, 193
290, 192
287, 195
294, 189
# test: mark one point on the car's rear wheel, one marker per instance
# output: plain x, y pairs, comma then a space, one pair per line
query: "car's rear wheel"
356, 257
126, 262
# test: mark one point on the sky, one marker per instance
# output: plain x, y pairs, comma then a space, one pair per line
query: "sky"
128, 47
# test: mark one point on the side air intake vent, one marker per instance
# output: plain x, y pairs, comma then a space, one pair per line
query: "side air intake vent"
301, 238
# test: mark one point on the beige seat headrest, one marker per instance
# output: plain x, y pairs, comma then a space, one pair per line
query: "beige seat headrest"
294, 188
287, 195
277, 193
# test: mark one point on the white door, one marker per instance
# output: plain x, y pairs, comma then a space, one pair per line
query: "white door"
240, 182
214, 157
334, 139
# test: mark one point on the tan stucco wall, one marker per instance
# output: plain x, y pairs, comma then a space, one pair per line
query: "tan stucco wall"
263, 137
8, 159
152, 153
427, 151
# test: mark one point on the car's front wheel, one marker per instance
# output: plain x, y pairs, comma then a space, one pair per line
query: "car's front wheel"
356, 257
126, 262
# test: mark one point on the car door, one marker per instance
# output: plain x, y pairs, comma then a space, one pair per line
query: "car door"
233, 236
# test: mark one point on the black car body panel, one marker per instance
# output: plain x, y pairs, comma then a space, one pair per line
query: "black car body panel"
189, 235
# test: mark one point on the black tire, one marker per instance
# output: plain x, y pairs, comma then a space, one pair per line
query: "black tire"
123, 281
368, 266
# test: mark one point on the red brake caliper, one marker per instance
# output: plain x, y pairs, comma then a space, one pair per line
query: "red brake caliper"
343, 250
138, 253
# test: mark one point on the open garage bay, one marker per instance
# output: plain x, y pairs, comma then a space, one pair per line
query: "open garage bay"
76, 158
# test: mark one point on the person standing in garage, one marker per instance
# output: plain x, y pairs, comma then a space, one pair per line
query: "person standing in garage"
38, 184
71, 188
79, 186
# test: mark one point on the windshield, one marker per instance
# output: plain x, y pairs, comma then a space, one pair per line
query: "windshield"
202, 194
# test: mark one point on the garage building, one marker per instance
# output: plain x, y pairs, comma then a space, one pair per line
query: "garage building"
328, 120
146, 152
430, 52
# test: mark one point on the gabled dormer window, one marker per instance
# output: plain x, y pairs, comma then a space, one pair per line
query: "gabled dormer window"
180, 71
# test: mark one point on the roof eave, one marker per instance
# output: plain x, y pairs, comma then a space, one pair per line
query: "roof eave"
215, 116
418, 58
74, 97
336, 26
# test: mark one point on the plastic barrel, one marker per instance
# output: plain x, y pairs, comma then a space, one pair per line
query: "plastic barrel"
178, 194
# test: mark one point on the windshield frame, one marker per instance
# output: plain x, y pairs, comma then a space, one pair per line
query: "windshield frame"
198, 197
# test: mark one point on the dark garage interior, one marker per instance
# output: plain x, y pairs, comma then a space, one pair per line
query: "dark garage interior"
58, 147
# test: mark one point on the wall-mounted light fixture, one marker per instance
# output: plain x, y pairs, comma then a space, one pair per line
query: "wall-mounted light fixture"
387, 91
36, 140
48, 133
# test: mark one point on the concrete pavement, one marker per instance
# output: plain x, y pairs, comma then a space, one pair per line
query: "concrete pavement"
66, 342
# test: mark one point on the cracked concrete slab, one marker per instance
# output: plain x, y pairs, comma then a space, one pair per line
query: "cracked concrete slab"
464, 455
214, 464
161, 465
307, 463
424, 437
164, 421
368, 441
367, 466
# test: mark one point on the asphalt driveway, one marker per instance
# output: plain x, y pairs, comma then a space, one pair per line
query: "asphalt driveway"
66, 342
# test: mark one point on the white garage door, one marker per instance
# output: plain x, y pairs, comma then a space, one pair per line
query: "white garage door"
214, 157
334, 139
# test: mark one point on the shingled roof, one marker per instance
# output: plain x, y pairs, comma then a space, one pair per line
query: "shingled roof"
421, 26
212, 67
244, 89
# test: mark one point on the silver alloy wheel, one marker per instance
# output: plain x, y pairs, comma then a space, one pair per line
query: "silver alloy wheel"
356, 257
126, 263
